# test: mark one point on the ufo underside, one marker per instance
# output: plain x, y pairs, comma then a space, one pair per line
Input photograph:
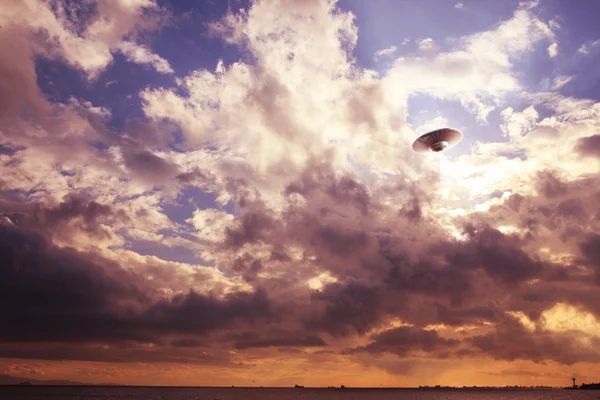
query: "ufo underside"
437, 141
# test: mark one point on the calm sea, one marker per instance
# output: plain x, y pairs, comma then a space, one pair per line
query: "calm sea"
133, 393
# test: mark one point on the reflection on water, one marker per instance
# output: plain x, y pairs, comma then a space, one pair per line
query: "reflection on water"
124, 393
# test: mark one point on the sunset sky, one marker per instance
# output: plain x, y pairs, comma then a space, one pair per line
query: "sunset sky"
224, 192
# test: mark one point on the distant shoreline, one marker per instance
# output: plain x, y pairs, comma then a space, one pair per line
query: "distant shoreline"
286, 387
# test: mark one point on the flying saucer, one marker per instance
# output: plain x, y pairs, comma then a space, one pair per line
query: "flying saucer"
437, 141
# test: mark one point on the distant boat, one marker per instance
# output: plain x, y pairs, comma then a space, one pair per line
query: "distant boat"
299, 387
25, 383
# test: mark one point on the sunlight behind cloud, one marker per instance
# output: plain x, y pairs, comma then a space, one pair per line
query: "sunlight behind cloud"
566, 318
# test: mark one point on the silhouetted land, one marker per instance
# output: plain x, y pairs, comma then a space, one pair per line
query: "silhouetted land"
9, 380
585, 386
440, 387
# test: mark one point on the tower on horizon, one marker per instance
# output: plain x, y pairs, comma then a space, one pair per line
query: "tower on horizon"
574, 385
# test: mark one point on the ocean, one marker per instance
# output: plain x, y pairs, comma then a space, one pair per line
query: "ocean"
148, 393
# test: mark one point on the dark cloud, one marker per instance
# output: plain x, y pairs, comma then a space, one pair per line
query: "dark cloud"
9, 150
327, 237
52, 294
467, 315
590, 248
77, 207
413, 210
198, 177
196, 313
256, 224
589, 146
511, 341
405, 340
319, 183
429, 277
500, 255
350, 308
275, 338
188, 343
550, 184
122, 353
49, 293
149, 167
76, 214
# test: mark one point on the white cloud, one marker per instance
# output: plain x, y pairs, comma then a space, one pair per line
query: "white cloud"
479, 72
87, 47
211, 224
428, 45
553, 50
583, 49
305, 119
587, 47
142, 55
560, 81
434, 123
385, 52
554, 24
459, 5
517, 124
539, 141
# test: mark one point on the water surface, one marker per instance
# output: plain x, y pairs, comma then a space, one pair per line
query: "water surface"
148, 393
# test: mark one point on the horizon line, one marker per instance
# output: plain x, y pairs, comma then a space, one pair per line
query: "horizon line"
285, 387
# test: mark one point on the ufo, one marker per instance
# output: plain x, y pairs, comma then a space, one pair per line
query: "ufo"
437, 141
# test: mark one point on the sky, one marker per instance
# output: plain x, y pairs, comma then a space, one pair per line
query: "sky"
224, 192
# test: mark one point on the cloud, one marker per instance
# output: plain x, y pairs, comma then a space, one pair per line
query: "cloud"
385, 53
432, 124
553, 50
589, 248
560, 81
404, 340
588, 46
85, 35
459, 6
211, 224
275, 339
589, 146
477, 73
149, 166
142, 55
353, 307
83, 298
428, 45
323, 229
536, 347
